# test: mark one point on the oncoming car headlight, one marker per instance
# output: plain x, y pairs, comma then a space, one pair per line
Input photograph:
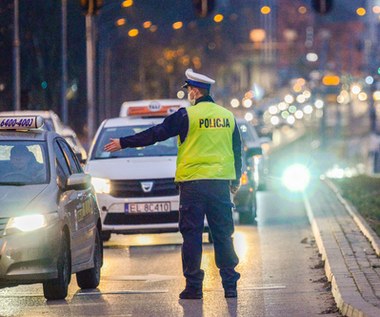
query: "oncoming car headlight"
101, 185
28, 223
296, 177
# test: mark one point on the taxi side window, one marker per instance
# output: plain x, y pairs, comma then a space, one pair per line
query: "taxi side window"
70, 158
63, 169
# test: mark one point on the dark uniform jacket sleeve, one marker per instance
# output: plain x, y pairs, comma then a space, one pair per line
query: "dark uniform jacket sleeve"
175, 124
236, 143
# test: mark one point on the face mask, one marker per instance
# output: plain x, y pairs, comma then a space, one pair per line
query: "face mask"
190, 98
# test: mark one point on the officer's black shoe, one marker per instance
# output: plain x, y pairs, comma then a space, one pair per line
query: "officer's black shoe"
230, 293
191, 293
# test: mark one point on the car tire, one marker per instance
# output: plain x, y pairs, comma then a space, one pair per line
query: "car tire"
249, 217
90, 278
57, 288
106, 236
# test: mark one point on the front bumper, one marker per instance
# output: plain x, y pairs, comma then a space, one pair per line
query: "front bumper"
116, 220
29, 257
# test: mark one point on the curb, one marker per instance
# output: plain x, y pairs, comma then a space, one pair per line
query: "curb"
359, 220
346, 295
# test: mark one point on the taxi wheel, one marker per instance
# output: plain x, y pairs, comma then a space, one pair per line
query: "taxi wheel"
57, 288
106, 235
91, 278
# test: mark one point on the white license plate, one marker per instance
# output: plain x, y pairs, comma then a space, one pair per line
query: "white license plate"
147, 207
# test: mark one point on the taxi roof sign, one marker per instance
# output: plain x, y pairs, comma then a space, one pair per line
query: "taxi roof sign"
21, 122
152, 110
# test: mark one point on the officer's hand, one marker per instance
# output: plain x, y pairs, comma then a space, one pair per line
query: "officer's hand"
234, 187
113, 145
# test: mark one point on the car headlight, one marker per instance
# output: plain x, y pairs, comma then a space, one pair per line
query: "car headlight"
27, 223
101, 185
296, 177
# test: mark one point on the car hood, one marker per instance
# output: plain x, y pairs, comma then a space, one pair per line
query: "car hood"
25, 199
133, 168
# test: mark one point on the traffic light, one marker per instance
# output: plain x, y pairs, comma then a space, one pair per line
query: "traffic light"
91, 6
203, 7
322, 6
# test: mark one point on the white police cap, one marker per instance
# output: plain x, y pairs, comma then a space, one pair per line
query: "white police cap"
197, 80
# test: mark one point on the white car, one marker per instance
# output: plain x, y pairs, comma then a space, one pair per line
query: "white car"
135, 186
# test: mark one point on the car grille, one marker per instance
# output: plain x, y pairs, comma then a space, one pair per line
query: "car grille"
3, 223
144, 218
133, 188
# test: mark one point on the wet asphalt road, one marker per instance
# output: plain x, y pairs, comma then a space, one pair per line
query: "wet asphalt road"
281, 272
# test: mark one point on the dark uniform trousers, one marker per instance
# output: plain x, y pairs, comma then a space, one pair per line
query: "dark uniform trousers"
210, 198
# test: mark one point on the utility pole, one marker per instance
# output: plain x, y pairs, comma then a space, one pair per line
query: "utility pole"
64, 109
90, 57
16, 58
371, 46
91, 7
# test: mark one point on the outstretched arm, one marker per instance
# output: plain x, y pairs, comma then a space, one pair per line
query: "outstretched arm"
113, 145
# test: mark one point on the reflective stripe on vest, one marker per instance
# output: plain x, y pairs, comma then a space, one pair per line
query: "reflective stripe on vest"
207, 151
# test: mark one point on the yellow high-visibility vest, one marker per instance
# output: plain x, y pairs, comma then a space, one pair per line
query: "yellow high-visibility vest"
207, 151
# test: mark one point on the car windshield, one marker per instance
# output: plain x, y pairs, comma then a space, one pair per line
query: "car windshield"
163, 148
23, 163
247, 132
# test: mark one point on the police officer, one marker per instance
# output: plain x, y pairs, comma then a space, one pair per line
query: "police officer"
208, 169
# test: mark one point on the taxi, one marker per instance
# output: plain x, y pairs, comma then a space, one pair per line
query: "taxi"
49, 219
135, 186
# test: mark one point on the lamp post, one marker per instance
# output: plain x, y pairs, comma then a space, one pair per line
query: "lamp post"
64, 62
16, 58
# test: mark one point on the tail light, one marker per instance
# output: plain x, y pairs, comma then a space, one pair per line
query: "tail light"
244, 179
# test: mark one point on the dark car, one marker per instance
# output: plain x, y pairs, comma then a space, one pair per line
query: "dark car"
254, 172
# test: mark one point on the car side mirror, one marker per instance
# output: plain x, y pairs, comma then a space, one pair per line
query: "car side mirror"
252, 151
78, 181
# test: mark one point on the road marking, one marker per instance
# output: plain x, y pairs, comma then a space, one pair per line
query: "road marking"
265, 287
122, 292
156, 291
146, 278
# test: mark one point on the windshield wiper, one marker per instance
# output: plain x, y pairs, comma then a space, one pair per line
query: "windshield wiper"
13, 184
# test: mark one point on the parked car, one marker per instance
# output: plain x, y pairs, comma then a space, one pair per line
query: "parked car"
49, 220
254, 172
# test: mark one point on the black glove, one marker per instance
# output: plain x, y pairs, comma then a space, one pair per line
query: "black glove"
234, 186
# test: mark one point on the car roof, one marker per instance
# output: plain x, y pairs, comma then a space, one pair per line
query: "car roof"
38, 135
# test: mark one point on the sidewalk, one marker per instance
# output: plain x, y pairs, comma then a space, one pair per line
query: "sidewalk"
349, 248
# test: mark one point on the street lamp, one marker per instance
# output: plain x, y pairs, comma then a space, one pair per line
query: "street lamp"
16, 58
